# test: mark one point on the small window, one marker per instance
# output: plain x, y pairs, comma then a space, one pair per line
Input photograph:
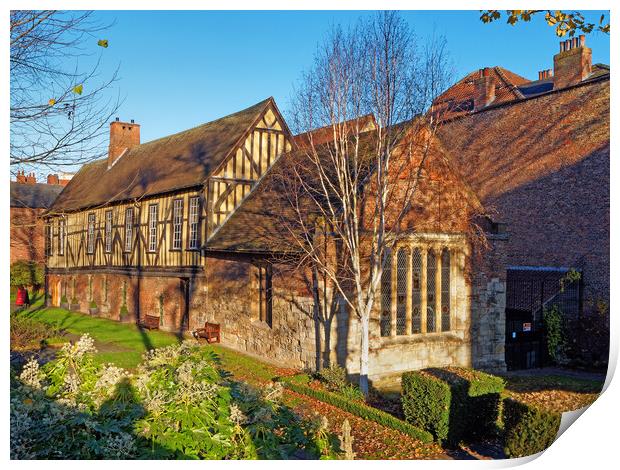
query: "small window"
177, 224
50, 238
265, 294
153, 227
128, 228
445, 290
90, 235
194, 217
386, 297
61, 237
108, 231
430, 291
416, 292
401, 291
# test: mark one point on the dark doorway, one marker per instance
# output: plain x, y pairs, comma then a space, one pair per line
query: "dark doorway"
184, 287
530, 290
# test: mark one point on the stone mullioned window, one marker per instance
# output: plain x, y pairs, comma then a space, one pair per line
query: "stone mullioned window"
417, 287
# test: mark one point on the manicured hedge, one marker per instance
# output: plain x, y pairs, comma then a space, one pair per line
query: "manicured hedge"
358, 409
426, 403
453, 404
528, 429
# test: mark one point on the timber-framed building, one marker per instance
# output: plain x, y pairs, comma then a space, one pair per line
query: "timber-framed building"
172, 228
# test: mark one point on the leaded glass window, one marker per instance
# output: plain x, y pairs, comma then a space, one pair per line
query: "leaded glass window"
430, 291
416, 292
401, 292
445, 290
194, 211
128, 228
153, 227
61, 237
386, 297
108, 231
90, 235
177, 224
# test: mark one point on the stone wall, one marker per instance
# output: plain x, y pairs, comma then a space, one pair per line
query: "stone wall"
230, 293
227, 295
488, 305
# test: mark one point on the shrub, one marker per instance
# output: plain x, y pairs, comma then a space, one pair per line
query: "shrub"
359, 409
26, 332
93, 304
528, 429
334, 377
27, 273
175, 406
452, 403
426, 403
352, 392
63, 300
554, 332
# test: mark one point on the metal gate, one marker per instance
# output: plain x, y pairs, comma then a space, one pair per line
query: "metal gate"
529, 290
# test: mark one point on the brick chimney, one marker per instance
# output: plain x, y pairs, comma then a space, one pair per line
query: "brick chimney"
52, 179
485, 89
573, 63
21, 177
123, 136
31, 178
545, 74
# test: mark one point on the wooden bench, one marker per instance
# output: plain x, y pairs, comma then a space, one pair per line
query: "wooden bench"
210, 332
150, 322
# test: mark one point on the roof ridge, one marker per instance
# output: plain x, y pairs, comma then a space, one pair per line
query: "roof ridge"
512, 86
589, 81
204, 123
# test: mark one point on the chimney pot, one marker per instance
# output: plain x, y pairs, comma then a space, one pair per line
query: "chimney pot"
117, 119
132, 121
122, 137
571, 68
582, 40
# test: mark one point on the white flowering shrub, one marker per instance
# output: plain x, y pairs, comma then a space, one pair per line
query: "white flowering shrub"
176, 405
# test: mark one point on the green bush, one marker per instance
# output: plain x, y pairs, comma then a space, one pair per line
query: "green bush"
359, 409
27, 273
528, 429
175, 405
426, 403
334, 377
63, 300
453, 403
93, 304
26, 332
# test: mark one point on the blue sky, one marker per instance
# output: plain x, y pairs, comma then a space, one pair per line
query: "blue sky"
181, 69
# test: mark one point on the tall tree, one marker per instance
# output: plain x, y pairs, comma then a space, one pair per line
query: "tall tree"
345, 188
59, 110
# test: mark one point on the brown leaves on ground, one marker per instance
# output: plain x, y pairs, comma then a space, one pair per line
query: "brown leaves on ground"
372, 441
554, 392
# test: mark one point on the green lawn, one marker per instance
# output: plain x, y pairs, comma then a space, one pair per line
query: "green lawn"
122, 344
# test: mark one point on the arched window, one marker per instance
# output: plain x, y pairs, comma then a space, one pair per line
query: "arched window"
416, 292
386, 297
445, 290
430, 291
401, 291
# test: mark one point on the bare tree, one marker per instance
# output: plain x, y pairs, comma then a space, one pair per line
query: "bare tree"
352, 182
59, 110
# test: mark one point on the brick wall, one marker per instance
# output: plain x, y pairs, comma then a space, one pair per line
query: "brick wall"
542, 167
27, 235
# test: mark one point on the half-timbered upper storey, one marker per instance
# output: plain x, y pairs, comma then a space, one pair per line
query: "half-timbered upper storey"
153, 205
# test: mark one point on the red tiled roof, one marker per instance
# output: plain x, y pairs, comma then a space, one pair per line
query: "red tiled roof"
458, 99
